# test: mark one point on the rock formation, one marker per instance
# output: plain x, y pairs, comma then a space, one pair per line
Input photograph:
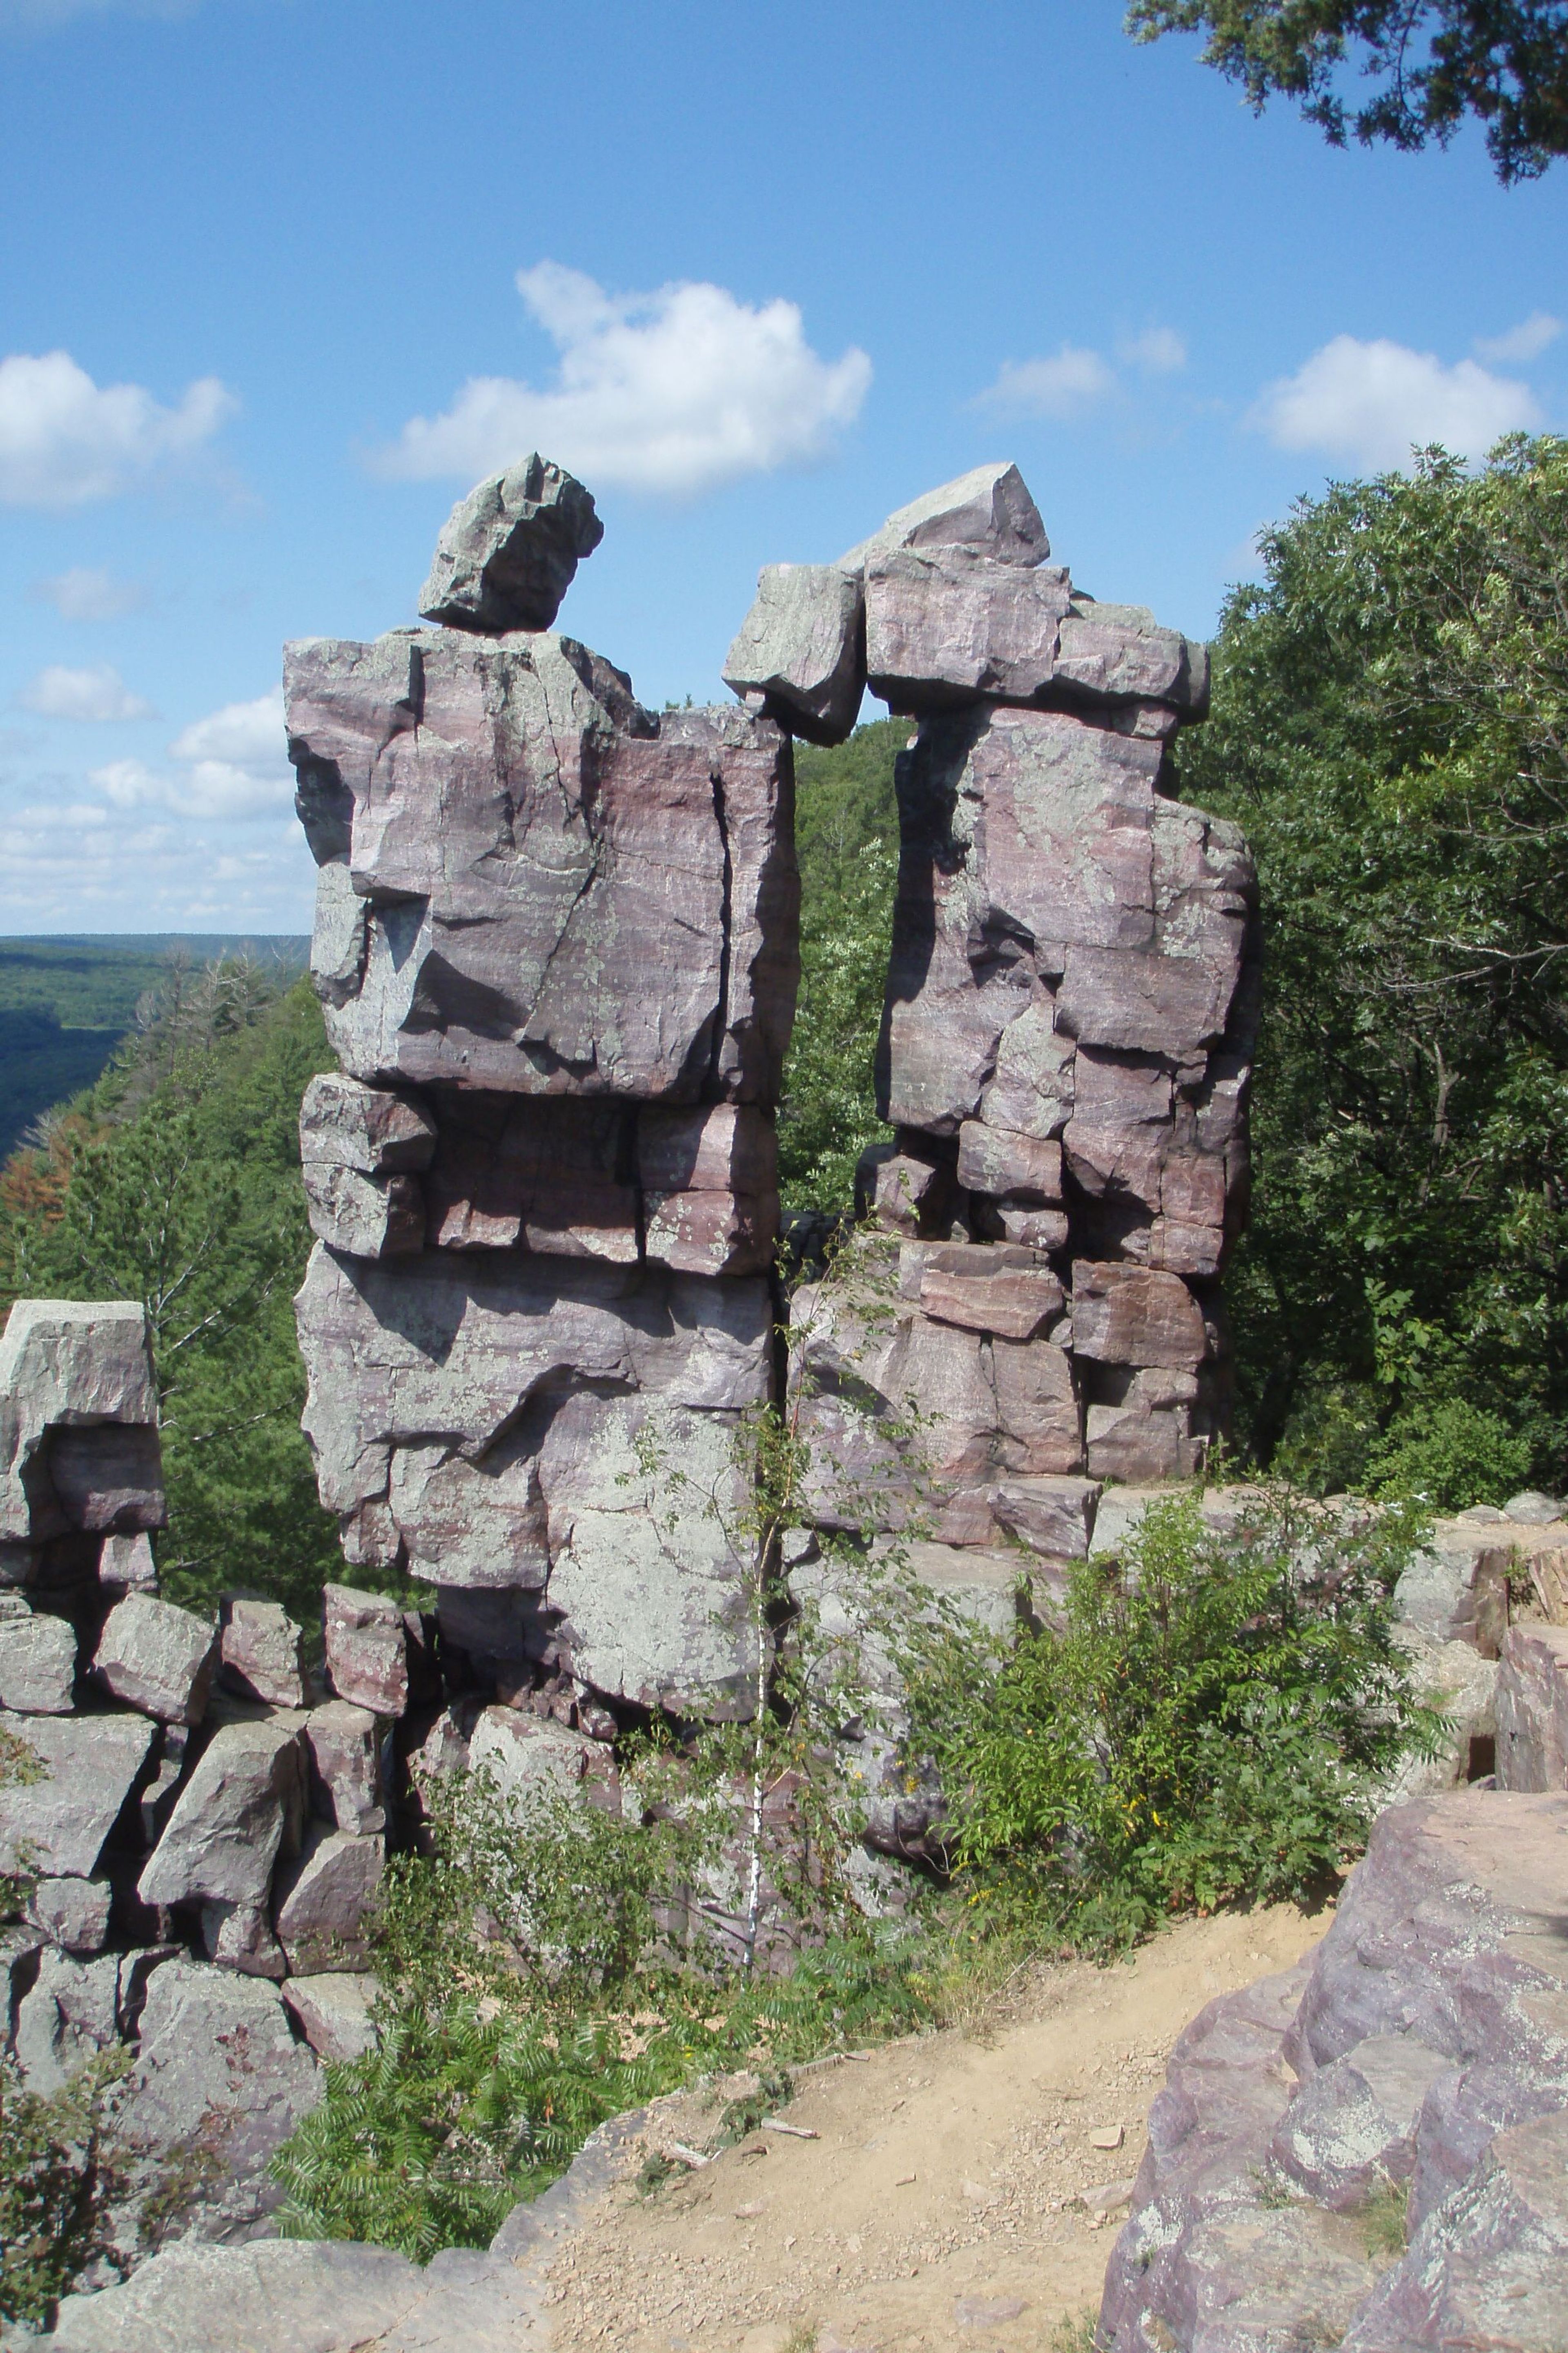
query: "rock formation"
556, 944
193, 1819
1415, 2065
1071, 1001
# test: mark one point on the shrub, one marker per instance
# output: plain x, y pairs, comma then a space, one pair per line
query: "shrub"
1448, 1456
58, 2174
1211, 1722
527, 1997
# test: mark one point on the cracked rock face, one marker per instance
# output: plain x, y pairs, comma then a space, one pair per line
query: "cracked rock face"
554, 892
1422, 2046
478, 1418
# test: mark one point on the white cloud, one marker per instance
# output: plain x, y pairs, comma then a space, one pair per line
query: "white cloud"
88, 593
98, 693
81, 867
675, 392
1525, 342
1158, 351
252, 734
1073, 381
65, 440
1373, 402
234, 765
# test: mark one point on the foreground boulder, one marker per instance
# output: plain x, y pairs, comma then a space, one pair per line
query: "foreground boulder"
1418, 2053
218, 2072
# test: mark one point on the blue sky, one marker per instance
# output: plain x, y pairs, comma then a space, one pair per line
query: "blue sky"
281, 278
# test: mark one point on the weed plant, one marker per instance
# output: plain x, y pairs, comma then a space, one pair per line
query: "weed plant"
61, 2169
1213, 1720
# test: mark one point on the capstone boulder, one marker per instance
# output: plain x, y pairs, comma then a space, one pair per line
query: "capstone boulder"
508, 551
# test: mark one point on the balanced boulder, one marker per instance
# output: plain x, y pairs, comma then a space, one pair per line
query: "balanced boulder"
508, 551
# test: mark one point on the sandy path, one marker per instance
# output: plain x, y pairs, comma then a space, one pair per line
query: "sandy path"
941, 2206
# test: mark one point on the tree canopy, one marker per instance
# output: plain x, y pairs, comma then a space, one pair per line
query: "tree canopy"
1391, 728
176, 1181
1431, 62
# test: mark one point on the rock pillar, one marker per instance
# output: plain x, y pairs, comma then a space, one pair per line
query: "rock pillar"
1065, 1046
556, 941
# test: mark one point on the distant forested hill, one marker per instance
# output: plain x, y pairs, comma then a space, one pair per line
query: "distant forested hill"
66, 1002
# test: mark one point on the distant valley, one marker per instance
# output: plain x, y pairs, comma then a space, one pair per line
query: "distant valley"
67, 1000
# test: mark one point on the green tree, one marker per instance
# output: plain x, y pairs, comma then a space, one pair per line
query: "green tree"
1391, 728
176, 1182
847, 839
1433, 62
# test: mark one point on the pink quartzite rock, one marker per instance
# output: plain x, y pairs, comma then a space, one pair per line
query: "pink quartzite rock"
1025, 1169
1072, 992
59, 1823
1532, 1704
72, 1913
345, 1125
560, 892
988, 511
157, 1657
944, 626
109, 1479
260, 1649
242, 1804
553, 1177
482, 1417
1126, 1316
369, 1216
322, 1902
1422, 2043
73, 1369
344, 1755
711, 1233
333, 2012
366, 1659
906, 1191
217, 2069
38, 1659
125, 1565
989, 1405
1490, 2268
799, 655
989, 1287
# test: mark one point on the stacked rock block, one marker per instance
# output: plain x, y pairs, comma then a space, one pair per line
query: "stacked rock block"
196, 1823
556, 941
1070, 1008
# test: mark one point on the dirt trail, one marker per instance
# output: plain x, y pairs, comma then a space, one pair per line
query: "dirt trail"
941, 2206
